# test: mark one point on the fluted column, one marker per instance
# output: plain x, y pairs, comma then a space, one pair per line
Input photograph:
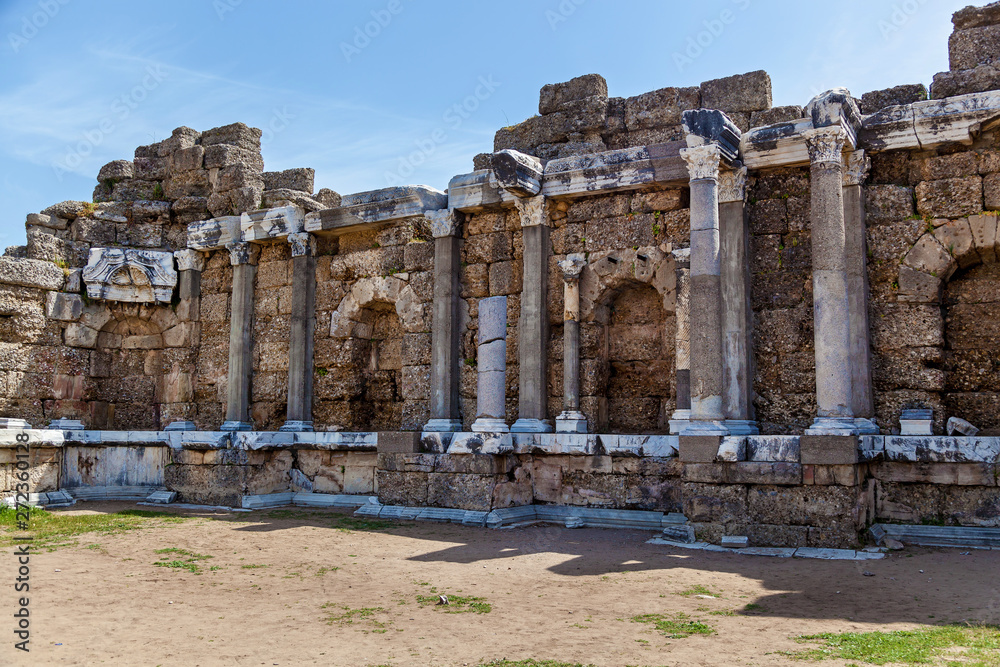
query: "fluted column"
533, 330
298, 416
243, 257
830, 285
571, 420
737, 378
856, 166
445, 416
706, 302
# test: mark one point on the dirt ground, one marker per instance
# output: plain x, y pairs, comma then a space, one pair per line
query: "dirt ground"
275, 580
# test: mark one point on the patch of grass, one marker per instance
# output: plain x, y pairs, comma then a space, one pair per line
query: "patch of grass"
349, 523
752, 608
697, 590
183, 559
362, 614
323, 570
722, 612
55, 529
252, 567
965, 645
458, 604
677, 626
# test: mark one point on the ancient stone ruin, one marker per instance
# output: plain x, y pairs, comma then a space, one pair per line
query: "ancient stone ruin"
684, 302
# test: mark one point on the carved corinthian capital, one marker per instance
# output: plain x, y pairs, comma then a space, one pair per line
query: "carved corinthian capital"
733, 185
856, 166
303, 244
572, 267
702, 161
242, 252
444, 222
825, 144
189, 260
532, 210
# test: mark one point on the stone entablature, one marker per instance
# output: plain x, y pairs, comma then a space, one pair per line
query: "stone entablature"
134, 276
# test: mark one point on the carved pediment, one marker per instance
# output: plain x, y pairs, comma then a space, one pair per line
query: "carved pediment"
124, 274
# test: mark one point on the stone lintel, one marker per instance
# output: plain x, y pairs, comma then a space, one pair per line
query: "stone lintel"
272, 224
214, 234
710, 126
699, 448
518, 173
828, 449
376, 208
130, 275
477, 191
930, 123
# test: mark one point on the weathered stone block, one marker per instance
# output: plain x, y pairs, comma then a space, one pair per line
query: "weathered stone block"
660, 108
301, 179
562, 96
888, 202
890, 97
972, 47
458, 491
399, 442
402, 488
950, 198
751, 472
742, 92
991, 191
699, 448
829, 449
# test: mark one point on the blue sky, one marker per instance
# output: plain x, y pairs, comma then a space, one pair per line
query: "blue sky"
84, 83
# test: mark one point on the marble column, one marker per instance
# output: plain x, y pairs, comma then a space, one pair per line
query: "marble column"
737, 378
243, 257
445, 417
491, 388
534, 325
298, 415
706, 297
856, 166
571, 420
681, 416
830, 284
190, 264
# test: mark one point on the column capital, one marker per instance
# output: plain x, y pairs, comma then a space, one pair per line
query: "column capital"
532, 210
702, 162
242, 252
303, 244
445, 222
572, 267
189, 260
733, 185
856, 166
826, 144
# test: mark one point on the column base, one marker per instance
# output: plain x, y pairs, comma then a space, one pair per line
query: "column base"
66, 425
866, 426
490, 425
230, 425
180, 425
297, 426
833, 426
705, 428
679, 421
571, 421
443, 426
8, 423
742, 427
531, 426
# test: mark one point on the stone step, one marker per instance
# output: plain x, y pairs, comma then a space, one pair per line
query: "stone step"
938, 536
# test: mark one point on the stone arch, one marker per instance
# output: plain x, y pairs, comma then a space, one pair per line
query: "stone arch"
951, 273
392, 290
627, 309
374, 385
128, 368
939, 252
